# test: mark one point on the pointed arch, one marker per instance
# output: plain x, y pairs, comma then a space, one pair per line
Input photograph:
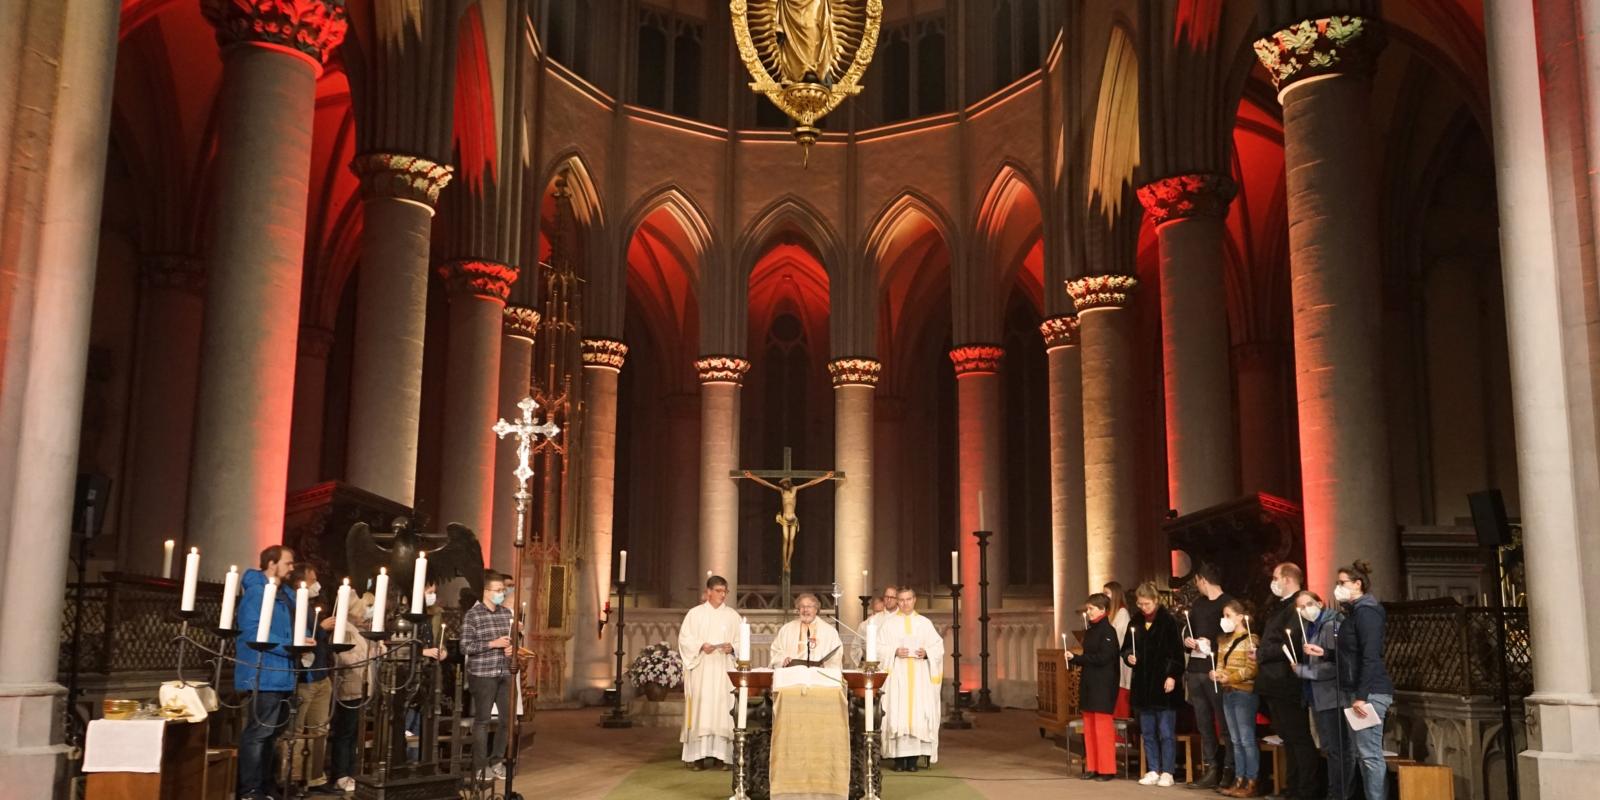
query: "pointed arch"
1009, 230
587, 207
673, 201
906, 210
789, 213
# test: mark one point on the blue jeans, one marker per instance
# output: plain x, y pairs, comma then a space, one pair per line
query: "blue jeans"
1160, 745
1341, 771
268, 715
1367, 749
1240, 710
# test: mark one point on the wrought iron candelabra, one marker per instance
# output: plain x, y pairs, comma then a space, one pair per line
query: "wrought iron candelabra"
618, 716
956, 720
983, 703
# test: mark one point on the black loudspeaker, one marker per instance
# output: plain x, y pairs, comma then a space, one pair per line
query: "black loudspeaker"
94, 491
1489, 518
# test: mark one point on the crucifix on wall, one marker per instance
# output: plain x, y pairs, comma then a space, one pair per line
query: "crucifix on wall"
787, 487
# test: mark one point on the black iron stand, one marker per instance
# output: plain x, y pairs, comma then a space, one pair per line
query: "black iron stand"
866, 607
984, 703
955, 720
618, 718
75, 726
1508, 735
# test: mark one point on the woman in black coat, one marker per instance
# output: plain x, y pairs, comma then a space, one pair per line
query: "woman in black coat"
1097, 690
1154, 648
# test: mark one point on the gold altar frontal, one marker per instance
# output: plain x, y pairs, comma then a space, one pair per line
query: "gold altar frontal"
810, 744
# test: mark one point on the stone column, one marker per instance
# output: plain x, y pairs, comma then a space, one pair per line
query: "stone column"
720, 380
478, 291
518, 326
889, 560
855, 382
1069, 551
682, 547
398, 194
1111, 512
592, 664
272, 54
979, 438
1321, 69
162, 434
71, 50
1553, 362
1262, 448
310, 401
1190, 213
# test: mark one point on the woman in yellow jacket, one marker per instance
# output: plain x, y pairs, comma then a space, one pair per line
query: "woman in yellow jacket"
1235, 673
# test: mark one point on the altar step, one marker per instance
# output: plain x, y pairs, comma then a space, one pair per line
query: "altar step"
666, 713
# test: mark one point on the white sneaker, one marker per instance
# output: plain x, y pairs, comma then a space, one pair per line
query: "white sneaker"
1166, 779
1149, 779
347, 784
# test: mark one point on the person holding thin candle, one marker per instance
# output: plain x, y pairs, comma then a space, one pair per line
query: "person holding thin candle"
268, 674
352, 687
1281, 690
1203, 627
1097, 690
1319, 671
1120, 619
314, 693
1153, 649
1235, 673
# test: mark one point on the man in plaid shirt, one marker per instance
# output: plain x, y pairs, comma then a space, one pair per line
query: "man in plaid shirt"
486, 640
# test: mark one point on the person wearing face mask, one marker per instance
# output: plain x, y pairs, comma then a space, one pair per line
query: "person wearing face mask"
1097, 690
314, 694
1280, 688
1202, 629
351, 681
1321, 677
486, 641
1153, 649
1235, 674
1363, 677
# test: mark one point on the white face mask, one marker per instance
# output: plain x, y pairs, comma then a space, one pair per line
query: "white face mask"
1228, 625
1342, 593
1310, 612
314, 589
1278, 589
430, 598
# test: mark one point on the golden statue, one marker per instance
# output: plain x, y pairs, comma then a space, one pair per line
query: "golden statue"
806, 56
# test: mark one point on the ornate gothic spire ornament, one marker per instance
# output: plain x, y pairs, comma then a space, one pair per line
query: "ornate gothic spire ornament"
806, 56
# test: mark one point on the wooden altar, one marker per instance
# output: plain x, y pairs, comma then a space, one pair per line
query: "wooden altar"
758, 726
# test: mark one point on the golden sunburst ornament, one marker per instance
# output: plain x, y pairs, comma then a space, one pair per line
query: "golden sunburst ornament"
806, 56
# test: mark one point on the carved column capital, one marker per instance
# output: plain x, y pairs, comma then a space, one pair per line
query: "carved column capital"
855, 371
185, 273
307, 28
411, 178
1102, 291
490, 280
604, 353
315, 341
977, 359
1059, 331
1201, 194
1330, 45
721, 369
520, 321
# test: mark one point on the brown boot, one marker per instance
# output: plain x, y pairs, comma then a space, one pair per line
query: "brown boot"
1252, 788
1232, 790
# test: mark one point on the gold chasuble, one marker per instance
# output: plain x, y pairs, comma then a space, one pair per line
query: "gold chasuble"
810, 744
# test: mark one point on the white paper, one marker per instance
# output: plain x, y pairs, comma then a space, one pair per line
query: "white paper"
1358, 723
123, 745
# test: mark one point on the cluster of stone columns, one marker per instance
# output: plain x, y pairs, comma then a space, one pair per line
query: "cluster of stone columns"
602, 367
518, 325
478, 292
1110, 503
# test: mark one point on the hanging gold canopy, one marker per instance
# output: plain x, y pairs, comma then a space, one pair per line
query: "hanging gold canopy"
806, 56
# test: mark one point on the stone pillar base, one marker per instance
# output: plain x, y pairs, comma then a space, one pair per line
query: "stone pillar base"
32, 759
1562, 761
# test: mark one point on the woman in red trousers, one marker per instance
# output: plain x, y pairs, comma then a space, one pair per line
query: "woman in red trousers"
1097, 691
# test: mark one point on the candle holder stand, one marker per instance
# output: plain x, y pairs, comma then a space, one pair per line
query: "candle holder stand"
869, 783
618, 717
955, 720
984, 704
741, 779
866, 607
226, 635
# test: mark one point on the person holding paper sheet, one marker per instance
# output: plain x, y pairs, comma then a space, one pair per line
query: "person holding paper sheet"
1203, 626
486, 642
1235, 673
274, 680
806, 638
911, 651
1320, 673
1154, 651
1280, 688
706, 644
1098, 689
1362, 675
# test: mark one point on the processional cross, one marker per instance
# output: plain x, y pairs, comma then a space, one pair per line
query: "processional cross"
788, 521
526, 432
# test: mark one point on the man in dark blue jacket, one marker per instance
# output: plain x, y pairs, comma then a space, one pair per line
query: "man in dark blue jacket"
269, 675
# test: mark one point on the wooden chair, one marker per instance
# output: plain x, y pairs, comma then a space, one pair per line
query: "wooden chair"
1426, 782
1186, 743
221, 774
1279, 763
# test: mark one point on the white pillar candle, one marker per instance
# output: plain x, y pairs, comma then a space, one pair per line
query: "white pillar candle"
981, 520
622, 568
230, 588
166, 558
872, 644
744, 641
744, 704
419, 583
302, 599
269, 601
380, 602
341, 611
191, 578
955, 567
868, 706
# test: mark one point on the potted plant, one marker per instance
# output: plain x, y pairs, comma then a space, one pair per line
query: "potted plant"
657, 671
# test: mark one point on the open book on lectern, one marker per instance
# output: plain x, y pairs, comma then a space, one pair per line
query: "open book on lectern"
815, 662
790, 676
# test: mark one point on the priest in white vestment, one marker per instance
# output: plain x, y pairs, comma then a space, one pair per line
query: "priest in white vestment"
911, 651
706, 643
807, 638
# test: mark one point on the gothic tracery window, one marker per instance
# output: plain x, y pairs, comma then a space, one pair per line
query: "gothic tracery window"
667, 71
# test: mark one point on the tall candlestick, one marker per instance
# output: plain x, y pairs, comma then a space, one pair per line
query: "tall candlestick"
955, 567
341, 611
302, 599
744, 641
981, 521
419, 583
744, 704
230, 587
622, 568
166, 558
269, 602
868, 703
191, 578
380, 599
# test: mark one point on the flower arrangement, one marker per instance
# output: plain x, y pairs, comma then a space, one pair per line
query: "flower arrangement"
659, 664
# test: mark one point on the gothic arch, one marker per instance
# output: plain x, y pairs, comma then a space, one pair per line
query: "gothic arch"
1008, 230
789, 212
682, 208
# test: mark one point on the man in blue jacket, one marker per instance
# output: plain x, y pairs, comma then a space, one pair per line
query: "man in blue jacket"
267, 674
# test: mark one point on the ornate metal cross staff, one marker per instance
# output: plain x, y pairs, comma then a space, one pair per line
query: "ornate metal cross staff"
527, 432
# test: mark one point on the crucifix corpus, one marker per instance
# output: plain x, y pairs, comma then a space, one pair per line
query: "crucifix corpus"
787, 488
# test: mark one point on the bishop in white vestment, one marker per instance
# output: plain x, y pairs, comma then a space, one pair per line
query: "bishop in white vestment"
706, 643
911, 651
807, 638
